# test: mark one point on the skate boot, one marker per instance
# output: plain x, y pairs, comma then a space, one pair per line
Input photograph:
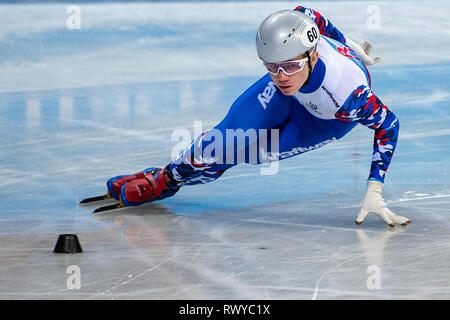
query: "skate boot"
115, 184
154, 184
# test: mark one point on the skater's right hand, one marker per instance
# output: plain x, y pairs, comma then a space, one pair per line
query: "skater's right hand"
373, 202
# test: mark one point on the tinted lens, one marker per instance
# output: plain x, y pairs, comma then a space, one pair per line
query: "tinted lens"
272, 67
292, 67
287, 67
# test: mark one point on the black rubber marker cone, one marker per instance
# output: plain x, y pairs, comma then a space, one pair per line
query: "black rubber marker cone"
67, 243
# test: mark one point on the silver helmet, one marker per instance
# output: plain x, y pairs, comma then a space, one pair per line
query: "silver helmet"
285, 35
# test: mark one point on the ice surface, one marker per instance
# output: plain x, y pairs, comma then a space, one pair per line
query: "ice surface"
80, 106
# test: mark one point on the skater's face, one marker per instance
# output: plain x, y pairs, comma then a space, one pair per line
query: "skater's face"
289, 85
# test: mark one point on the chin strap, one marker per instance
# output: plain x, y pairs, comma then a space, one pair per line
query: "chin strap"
310, 67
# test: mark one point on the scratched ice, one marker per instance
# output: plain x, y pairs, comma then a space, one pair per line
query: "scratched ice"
80, 106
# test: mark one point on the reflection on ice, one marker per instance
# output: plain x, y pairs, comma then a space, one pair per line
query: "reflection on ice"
33, 112
373, 246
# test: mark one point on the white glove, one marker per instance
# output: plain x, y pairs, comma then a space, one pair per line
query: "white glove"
362, 50
373, 202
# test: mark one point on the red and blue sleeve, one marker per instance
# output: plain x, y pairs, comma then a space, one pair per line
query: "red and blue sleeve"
363, 106
325, 26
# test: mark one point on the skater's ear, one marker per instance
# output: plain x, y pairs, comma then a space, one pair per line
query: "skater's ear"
314, 57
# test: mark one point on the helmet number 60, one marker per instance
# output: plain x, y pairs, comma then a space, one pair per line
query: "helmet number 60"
312, 34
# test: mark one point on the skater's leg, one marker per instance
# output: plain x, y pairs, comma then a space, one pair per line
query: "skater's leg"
261, 108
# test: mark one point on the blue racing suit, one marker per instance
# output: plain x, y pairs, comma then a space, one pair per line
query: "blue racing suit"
336, 97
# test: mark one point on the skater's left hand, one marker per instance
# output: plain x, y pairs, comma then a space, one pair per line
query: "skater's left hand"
373, 202
363, 50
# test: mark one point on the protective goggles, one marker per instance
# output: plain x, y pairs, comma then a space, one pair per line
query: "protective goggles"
288, 67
